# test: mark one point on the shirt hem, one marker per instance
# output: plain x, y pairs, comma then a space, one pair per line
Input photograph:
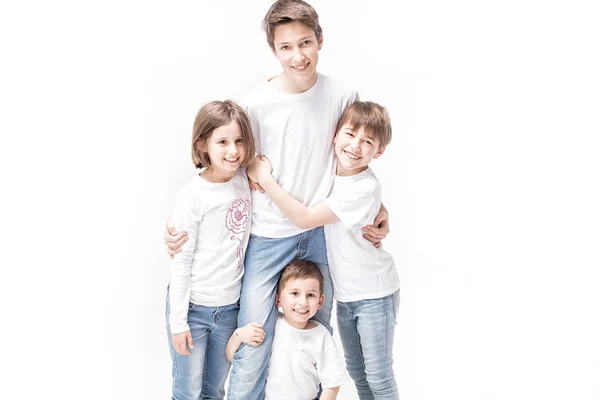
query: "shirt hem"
369, 296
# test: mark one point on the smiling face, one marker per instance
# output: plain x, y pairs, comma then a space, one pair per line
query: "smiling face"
297, 49
355, 148
226, 152
300, 299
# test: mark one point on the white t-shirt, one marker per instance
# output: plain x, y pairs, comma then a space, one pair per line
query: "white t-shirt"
295, 131
359, 270
208, 271
300, 360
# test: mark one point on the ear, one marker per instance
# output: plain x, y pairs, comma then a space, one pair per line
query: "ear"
277, 300
321, 300
335, 137
320, 42
379, 152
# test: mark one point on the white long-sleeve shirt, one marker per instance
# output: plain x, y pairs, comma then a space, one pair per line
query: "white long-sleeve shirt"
208, 271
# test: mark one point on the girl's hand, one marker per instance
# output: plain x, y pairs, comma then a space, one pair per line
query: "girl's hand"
251, 334
181, 341
379, 230
173, 240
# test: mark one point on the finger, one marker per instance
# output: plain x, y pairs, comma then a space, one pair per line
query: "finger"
252, 184
260, 188
182, 349
180, 240
373, 232
254, 324
190, 341
372, 239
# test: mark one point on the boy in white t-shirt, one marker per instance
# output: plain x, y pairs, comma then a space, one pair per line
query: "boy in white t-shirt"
365, 281
303, 355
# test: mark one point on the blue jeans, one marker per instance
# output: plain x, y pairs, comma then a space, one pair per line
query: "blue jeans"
265, 259
367, 333
202, 374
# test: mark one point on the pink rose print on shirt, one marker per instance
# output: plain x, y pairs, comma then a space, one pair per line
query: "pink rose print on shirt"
236, 221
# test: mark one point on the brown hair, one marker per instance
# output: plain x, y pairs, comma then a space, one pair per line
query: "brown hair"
300, 269
373, 117
285, 11
215, 115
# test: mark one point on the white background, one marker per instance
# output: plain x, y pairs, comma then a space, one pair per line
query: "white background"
491, 180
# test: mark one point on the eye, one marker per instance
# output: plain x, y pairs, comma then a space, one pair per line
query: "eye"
286, 47
306, 42
349, 134
222, 141
294, 293
239, 141
312, 295
369, 142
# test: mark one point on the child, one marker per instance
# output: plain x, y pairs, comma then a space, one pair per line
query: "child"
365, 280
303, 353
206, 276
297, 109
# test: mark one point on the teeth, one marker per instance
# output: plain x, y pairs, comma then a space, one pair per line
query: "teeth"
300, 67
352, 156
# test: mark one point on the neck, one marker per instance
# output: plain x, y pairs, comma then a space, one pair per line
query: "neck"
213, 176
341, 171
295, 87
297, 325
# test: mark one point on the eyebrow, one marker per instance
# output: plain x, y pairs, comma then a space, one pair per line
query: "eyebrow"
300, 40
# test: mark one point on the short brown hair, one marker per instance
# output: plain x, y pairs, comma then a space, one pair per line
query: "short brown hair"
300, 269
285, 11
215, 115
372, 116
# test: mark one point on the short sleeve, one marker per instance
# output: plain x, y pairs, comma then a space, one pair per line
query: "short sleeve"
353, 203
331, 368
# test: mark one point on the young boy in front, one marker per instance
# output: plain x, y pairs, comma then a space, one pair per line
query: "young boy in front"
366, 286
303, 353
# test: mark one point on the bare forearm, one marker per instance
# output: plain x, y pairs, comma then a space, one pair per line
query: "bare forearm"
297, 212
330, 393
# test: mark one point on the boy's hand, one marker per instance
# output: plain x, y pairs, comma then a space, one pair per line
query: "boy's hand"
173, 240
379, 230
252, 334
181, 341
259, 170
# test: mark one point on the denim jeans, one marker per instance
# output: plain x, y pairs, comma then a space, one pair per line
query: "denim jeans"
202, 374
366, 330
265, 259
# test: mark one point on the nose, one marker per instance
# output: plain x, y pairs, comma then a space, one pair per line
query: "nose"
355, 143
298, 54
232, 149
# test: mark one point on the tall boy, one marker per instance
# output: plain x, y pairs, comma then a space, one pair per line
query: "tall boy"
293, 119
303, 354
365, 280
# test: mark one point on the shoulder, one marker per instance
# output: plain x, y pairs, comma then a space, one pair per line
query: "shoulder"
259, 94
366, 183
339, 88
190, 197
